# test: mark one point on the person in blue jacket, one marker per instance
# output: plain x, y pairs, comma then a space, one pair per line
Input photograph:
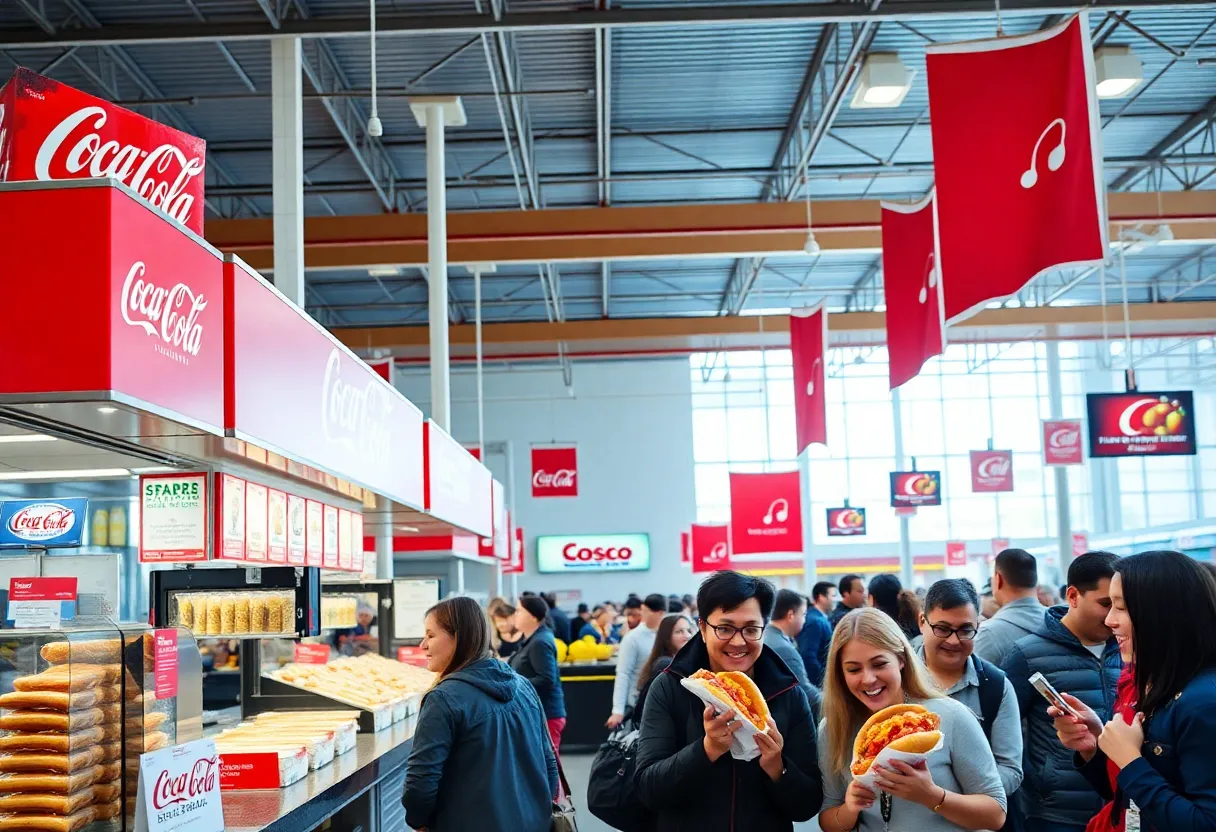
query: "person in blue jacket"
482, 758
536, 661
1157, 770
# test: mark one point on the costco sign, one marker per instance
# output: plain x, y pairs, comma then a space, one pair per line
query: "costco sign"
593, 553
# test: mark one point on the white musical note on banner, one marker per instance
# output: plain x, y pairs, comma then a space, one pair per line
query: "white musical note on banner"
810, 385
930, 278
1054, 159
780, 510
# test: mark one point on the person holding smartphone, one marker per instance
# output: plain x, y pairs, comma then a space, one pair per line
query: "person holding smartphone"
1154, 760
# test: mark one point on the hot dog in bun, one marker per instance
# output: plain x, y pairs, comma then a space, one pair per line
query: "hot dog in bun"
738, 692
910, 728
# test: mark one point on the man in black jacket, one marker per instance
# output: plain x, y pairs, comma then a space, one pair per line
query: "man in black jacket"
560, 621
852, 597
685, 771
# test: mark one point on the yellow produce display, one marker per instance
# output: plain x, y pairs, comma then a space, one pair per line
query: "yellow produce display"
603, 651
561, 650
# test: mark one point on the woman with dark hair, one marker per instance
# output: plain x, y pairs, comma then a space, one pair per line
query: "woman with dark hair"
1154, 761
685, 772
507, 639
887, 594
536, 661
480, 729
673, 633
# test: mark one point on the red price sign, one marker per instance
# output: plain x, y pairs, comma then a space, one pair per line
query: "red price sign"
412, 655
311, 654
250, 771
164, 663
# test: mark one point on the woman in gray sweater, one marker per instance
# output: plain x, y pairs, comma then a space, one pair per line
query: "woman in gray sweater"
872, 666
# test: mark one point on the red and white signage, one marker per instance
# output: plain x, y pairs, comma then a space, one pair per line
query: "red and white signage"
276, 526
230, 514
179, 788
356, 543
256, 497
314, 519
766, 520
456, 487
295, 389
297, 537
809, 346
496, 546
412, 655
42, 589
685, 547
915, 323
991, 471
846, 522
1062, 442
956, 553
910, 489
1142, 424
999, 544
330, 555
135, 304
710, 547
51, 131
164, 663
1080, 543
555, 472
345, 548
383, 368
516, 566
1017, 157
304, 653
258, 769
172, 518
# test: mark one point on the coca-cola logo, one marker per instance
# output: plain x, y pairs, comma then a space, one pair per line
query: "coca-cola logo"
42, 521
1064, 438
160, 175
993, 467
172, 315
574, 552
171, 789
356, 416
562, 478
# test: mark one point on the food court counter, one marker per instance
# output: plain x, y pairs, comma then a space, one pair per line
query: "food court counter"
358, 790
587, 687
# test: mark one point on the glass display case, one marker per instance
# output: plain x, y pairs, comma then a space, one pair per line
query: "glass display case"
253, 602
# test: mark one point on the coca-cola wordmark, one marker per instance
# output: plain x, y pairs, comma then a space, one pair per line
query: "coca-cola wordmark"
179, 788
555, 471
161, 313
67, 134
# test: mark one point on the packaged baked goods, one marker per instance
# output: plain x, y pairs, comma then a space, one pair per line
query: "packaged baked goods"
202, 615
274, 614
51, 761
215, 615
84, 651
53, 783
55, 804
241, 624
27, 720
28, 822
69, 677
185, 610
258, 613
48, 700
227, 615
57, 743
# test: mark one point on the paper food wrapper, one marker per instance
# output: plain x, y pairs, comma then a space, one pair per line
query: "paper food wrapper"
743, 746
888, 754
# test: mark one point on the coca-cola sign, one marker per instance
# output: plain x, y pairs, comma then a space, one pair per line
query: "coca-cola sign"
555, 471
171, 315
57, 132
991, 471
42, 523
1062, 442
295, 389
179, 788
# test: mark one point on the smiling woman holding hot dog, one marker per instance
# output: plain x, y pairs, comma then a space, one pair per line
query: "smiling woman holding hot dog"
872, 667
685, 771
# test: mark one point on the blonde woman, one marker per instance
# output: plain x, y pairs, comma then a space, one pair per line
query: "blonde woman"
872, 666
507, 638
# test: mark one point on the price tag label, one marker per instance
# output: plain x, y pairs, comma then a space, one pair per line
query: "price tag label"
311, 654
41, 602
164, 663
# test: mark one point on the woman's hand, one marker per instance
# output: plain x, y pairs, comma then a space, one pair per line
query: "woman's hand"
857, 797
1077, 733
771, 743
911, 783
719, 732
1122, 742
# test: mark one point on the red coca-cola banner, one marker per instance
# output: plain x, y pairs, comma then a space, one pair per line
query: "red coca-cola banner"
809, 344
956, 553
710, 546
910, 489
115, 298
1141, 424
846, 522
555, 471
1080, 543
991, 471
915, 323
1062, 442
766, 521
1017, 157
50, 131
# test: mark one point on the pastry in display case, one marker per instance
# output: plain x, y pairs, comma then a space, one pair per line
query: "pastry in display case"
253, 602
233, 614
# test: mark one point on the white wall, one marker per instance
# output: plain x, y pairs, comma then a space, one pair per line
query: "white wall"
632, 422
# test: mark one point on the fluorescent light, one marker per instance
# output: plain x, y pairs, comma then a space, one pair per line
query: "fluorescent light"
72, 474
155, 469
406, 529
383, 271
1118, 70
106, 409
21, 439
884, 81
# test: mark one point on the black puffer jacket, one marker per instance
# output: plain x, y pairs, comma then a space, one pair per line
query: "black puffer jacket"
688, 792
1053, 790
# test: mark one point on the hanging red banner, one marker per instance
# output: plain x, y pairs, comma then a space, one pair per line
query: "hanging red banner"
555, 472
710, 546
516, 564
991, 471
1017, 158
809, 344
766, 521
915, 326
1080, 543
999, 544
1062, 442
685, 547
956, 553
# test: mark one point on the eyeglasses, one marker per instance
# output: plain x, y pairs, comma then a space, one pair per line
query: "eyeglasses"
726, 632
944, 631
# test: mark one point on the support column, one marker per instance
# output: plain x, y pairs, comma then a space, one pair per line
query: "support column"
1055, 406
384, 549
287, 167
905, 526
478, 269
434, 113
809, 566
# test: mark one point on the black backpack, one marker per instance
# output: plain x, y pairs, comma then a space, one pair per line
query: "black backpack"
612, 795
992, 691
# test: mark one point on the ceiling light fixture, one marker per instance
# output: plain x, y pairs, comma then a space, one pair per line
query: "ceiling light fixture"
1118, 71
811, 246
883, 82
69, 474
23, 438
107, 409
374, 128
384, 271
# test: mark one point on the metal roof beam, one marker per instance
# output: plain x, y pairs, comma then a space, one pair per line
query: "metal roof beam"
224, 51
1177, 138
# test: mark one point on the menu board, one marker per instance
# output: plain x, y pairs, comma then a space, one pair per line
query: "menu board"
297, 540
232, 518
344, 541
356, 540
411, 599
173, 518
276, 522
315, 535
255, 521
330, 555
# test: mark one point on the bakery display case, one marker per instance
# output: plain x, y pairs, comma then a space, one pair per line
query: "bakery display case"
356, 616
251, 602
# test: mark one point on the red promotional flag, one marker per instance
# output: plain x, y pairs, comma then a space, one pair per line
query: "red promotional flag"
555, 472
999, 544
710, 547
1017, 157
809, 343
991, 471
515, 566
956, 553
766, 522
1062, 442
384, 368
1080, 544
685, 547
910, 288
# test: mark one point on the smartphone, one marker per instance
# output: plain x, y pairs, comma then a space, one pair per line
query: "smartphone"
1051, 694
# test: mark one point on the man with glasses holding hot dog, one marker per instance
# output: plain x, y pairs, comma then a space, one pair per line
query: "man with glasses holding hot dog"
949, 624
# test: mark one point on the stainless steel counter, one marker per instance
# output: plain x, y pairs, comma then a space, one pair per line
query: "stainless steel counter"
323, 793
